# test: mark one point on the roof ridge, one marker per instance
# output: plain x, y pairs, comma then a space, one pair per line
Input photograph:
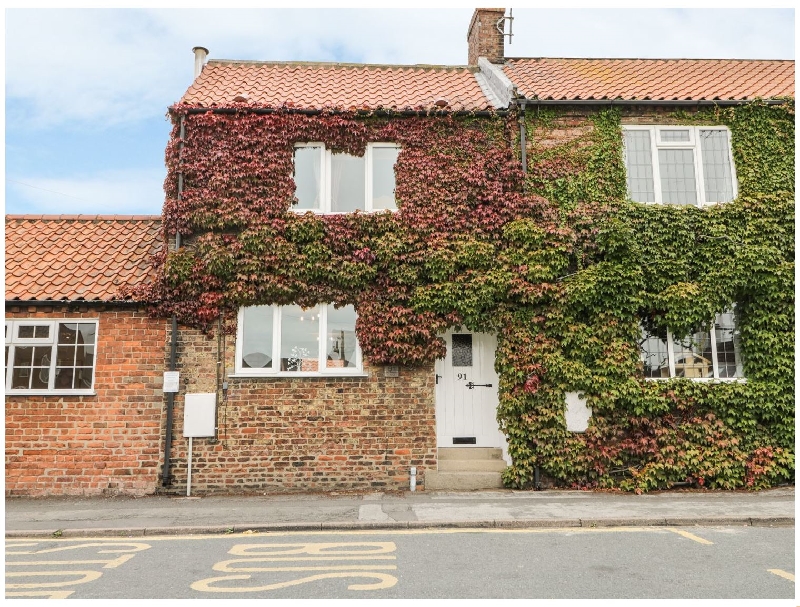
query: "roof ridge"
643, 59
341, 64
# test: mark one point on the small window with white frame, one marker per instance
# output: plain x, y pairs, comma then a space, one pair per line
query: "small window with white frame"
689, 165
291, 340
50, 356
328, 182
709, 353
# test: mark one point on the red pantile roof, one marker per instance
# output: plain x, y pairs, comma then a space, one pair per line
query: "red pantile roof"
78, 257
315, 86
653, 79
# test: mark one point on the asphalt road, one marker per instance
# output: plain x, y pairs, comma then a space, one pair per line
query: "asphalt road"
620, 562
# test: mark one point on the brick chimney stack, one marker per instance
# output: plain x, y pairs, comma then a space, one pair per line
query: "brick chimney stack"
483, 37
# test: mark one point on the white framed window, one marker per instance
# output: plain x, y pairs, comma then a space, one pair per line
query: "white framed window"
328, 182
711, 353
691, 165
50, 356
296, 341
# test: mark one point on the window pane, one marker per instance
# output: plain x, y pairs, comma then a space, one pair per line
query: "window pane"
654, 354
83, 378
299, 339
87, 333
728, 358
65, 356
693, 356
67, 333
348, 181
20, 378
34, 331
307, 168
462, 350
717, 175
639, 161
678, 184
63, 379
341, 338
257, 337
84, 356
674, 135
23, 356
383, 161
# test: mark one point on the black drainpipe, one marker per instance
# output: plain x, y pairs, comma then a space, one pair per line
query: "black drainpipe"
523, 153
166, 477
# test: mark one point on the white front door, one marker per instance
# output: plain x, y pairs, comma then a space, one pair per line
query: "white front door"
466, 392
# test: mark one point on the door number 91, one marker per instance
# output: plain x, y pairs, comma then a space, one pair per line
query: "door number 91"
462, 376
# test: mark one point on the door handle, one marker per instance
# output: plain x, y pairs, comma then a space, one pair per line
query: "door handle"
438, 377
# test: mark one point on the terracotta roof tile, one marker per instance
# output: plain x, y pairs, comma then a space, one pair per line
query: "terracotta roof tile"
652, 79
78, 257
315, 86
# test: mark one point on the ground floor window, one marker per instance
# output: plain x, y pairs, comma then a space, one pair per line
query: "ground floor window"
711, 353
288, 340
49, 356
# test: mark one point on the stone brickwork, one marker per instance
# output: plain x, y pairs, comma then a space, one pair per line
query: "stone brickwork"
303, 434
104, 444
483, 37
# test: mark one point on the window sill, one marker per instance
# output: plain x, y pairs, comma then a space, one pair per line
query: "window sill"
704, 380
356, 374
51, 393
321, 212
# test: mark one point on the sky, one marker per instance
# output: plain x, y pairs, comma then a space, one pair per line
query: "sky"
87, 90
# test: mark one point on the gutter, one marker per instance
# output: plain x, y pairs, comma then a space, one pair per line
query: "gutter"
72, 302
358, 113
632, 102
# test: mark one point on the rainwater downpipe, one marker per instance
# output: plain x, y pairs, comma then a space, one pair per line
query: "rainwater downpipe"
166, 477
523, 154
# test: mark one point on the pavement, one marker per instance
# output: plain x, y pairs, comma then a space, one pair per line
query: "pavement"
171, 515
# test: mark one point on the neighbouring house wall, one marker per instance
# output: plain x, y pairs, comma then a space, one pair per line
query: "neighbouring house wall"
304, 434
104, 444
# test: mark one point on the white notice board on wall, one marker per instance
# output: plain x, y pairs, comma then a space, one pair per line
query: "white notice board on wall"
199, 414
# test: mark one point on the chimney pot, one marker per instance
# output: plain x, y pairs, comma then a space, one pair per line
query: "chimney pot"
483, 37
200, 54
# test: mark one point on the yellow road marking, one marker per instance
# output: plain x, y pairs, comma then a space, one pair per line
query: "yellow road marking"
124, 547
112, 564
783, 574
42, 594
691, 536
224, 567
384, 581
328, 548
87, 576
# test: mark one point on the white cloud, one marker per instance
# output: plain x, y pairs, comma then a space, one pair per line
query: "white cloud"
119, 192
104, 67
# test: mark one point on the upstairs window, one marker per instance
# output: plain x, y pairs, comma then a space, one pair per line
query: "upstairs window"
46, 356
679, 164
707, 354
290, 340
341, 183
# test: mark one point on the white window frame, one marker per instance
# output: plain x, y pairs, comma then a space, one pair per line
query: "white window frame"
694, 145
714, 360
12, 340
275, 371
325, 179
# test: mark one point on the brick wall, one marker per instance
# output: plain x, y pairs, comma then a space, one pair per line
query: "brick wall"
304, 434
483, 37
572, 122
103, 444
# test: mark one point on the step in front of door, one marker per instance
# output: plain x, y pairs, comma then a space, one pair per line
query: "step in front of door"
479, 453
462, 481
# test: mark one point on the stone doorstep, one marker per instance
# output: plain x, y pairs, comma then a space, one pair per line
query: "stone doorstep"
472, 465
462, 481
462, 453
